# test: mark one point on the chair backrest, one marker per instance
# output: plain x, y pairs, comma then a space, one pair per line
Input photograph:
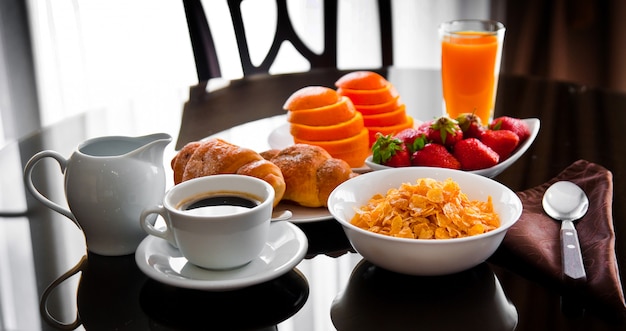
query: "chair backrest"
207, 64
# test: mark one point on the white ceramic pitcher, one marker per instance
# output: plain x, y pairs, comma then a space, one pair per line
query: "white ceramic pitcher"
108, 182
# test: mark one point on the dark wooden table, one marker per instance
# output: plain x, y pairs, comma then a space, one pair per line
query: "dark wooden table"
332, 283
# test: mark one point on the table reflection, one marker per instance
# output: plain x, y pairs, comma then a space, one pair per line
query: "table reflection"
107, 295
259, 307
377, 299
113, 294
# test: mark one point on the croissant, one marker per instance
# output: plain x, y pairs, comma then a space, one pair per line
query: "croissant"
310, 173
216, 156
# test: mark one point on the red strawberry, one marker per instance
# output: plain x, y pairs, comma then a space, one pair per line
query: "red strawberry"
425, 125
409, 137
512, 124
471, 125
502, 142
444, 131
435, 155
390, 151
475, 155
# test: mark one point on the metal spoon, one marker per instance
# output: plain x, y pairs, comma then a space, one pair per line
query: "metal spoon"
566, 202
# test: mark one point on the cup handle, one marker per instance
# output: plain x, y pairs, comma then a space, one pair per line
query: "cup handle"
43, 304
147, 226
28, 171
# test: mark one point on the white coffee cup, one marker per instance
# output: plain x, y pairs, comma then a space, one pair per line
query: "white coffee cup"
220, 235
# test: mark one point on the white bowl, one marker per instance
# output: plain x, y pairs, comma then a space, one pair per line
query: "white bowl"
533, 125
423, 256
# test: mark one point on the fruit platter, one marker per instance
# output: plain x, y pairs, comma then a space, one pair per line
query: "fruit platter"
365, 123
461, 144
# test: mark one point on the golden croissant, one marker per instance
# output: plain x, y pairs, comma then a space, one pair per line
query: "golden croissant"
310, 173
216, 156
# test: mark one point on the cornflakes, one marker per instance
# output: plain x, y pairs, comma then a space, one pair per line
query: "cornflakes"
428, 209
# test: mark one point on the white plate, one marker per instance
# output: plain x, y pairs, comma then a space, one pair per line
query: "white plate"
533, 125
164, 263
304, 214
280, 137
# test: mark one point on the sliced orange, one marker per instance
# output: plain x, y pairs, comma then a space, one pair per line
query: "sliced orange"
327, 115
337, 131
369, 97
311, 97
355, 158
379, 108
338, 146
361, 80
389, 129
395, 117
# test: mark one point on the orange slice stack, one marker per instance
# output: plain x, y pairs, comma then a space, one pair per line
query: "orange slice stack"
319, 116
377, 100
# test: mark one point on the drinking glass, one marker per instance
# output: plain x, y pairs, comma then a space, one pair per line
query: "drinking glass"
471, 51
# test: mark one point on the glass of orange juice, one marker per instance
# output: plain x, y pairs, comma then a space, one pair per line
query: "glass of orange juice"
471, 51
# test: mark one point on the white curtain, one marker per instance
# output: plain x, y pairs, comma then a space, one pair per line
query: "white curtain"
107, 53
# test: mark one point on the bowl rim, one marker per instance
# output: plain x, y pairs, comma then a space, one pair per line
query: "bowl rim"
502, 228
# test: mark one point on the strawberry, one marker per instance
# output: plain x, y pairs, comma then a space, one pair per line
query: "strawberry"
435, 155
425, 125
409, 137
471, 125
390, 151
444, 131
502, 142
512, 124
475, 155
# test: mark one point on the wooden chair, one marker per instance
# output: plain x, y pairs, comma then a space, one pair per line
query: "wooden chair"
207, 64
207, 113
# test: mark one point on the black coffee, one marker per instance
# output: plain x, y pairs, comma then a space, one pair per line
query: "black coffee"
222, 200
219, 203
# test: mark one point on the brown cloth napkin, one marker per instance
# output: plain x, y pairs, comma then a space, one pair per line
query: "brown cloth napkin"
534, 240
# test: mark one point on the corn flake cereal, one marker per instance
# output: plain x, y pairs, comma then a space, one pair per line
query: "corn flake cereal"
428, 209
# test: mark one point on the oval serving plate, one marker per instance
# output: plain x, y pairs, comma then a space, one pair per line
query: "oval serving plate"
302, 214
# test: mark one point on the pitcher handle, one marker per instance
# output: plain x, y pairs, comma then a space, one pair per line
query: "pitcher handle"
43, 304
147, 226
28, 170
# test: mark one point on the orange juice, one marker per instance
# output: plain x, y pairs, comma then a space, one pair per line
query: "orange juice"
469, 67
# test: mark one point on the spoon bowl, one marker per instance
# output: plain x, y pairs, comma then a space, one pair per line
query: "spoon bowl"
567, 202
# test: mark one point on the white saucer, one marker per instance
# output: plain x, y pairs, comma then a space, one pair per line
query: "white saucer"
285, 248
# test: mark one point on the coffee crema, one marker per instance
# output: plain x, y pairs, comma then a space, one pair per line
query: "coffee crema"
219, 203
